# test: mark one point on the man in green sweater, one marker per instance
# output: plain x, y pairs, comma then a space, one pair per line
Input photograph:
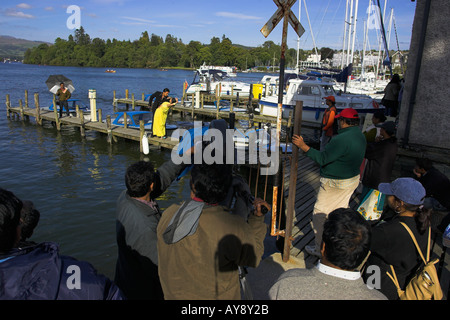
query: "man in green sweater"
340, 164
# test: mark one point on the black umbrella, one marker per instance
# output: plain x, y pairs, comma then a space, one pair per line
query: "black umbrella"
53, 83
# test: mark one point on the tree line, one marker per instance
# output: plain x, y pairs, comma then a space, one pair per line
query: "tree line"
152, 51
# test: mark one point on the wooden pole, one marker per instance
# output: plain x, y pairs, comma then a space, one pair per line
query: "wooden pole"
8, 106
193, 98
133, 102
100, 116
21, 109
108, 129
55, 111
141, 135
125, 120
82, 129
292, 183
276, 176
38, 109
114, 101
26, 98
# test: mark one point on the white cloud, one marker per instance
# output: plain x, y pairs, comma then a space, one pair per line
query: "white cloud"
23, 6
18, 14
49, 8
142, 21
236, 16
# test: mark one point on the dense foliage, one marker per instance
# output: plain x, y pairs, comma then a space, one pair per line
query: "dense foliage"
155, 52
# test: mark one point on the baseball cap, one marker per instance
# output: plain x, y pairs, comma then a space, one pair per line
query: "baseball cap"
349, 113
408, 190
388, 126
331, 98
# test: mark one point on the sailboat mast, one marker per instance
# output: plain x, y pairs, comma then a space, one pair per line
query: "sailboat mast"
297, 68
355, 19
345, 35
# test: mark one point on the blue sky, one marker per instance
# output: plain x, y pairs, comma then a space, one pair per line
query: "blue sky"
200, 20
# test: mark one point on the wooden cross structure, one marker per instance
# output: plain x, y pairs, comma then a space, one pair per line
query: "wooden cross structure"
284, 11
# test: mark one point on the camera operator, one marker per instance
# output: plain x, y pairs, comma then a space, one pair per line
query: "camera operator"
201, 244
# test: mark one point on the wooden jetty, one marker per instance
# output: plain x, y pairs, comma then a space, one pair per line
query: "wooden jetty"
112, 132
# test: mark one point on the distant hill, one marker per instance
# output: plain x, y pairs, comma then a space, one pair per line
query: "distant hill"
14, 48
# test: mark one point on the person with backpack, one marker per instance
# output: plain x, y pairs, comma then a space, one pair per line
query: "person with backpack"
391, 244
329, 124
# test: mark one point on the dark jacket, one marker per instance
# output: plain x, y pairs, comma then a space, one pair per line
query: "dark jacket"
136, 222
158, 97
40, 273
381, 158
437, 185
391, 244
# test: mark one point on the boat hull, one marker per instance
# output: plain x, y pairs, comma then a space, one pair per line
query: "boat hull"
310, 113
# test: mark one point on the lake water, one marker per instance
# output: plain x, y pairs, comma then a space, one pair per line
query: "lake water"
75, 181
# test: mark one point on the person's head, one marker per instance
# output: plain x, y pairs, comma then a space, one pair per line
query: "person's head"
406, 195
61, 85
10, 207
423, 165
348, 118
139, 179
378, 117
387, 129
395, 78
330, 101
29, 218
346, 239
166, 92
211, 182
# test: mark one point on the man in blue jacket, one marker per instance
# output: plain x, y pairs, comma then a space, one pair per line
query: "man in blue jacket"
39, 272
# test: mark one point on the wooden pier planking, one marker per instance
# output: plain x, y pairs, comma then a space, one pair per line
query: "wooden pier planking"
116, 131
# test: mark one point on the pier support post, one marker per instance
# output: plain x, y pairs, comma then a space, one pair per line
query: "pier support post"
55, 111
38, 109
82, 129
26, 98
108, 129
114, 101
93, 104
22, 114
8, 105
141, 135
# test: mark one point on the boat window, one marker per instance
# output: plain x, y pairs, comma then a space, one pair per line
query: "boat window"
355, 105
329, 91
308, 90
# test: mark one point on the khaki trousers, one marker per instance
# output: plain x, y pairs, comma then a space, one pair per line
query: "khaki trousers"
333, 194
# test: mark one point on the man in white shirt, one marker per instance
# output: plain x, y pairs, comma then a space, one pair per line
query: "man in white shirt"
345, 245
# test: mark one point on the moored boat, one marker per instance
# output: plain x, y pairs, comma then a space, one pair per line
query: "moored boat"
207, 80
312, 92
134, 118
72, 103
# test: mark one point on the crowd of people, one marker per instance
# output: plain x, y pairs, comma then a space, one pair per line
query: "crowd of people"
197, 249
